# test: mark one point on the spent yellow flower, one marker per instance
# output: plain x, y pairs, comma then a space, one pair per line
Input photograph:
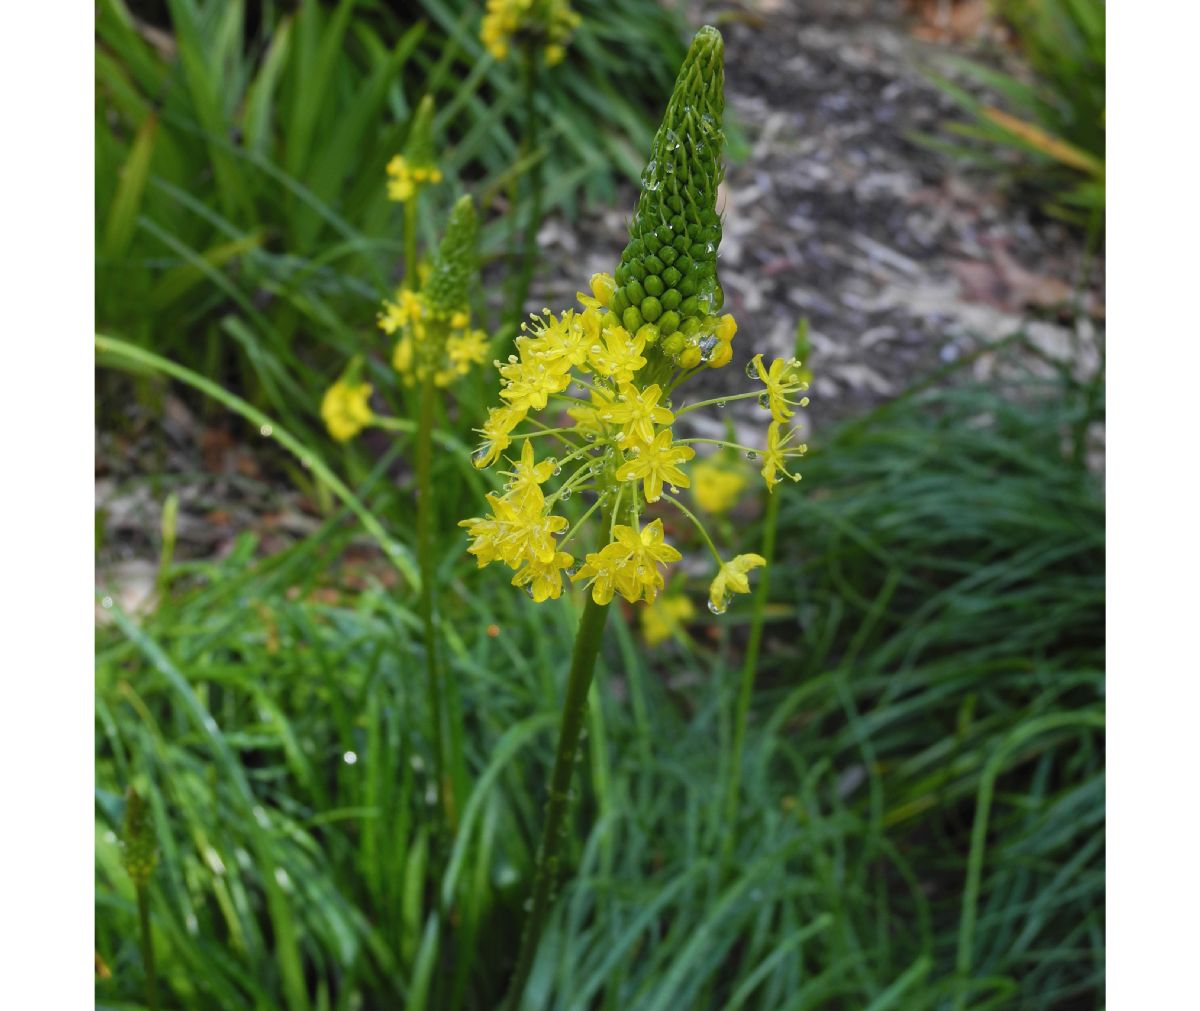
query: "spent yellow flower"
345, 409
731, 579
779, 448
782, 380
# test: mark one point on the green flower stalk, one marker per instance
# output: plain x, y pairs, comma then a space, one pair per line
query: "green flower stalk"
139, 856
599, 386
445, 303
435, 346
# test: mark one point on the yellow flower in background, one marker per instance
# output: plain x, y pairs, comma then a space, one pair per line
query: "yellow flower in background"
548, 23
345, 409
716, 488
666, 616
404, 177
732, 579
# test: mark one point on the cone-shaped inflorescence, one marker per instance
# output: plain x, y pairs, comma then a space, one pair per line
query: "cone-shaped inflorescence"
668, 272
455, 265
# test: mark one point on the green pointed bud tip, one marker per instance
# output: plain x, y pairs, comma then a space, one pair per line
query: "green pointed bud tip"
676, 230
455, 265
419, 149
139, 853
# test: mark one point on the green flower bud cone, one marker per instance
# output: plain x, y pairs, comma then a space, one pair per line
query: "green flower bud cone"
419, 148
670, 262
139, 854
449, 284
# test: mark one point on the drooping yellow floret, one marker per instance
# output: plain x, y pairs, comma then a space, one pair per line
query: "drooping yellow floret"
775, 456
731, 579
544, 579
495, 431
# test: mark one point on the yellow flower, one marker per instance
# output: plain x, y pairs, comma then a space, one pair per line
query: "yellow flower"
637, 412
665, 617
552, 339
401, 185
402, 355
531, 383
781, 379
470, 347
716, 488
776, 454
495, 432
544, 579
528, 477
346, 410
517, 532
732, 579
629, 564
407, 308
655, 463
590, 419
613, 352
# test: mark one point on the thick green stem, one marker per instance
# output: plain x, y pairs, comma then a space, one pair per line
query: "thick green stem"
143, 901
410, 243
529, 81
749, 669
427, 562
583, 663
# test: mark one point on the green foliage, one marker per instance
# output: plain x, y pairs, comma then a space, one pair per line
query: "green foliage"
243, 223
922, 814
1053, 124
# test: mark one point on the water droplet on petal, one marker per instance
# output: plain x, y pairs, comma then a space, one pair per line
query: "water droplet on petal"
716, 608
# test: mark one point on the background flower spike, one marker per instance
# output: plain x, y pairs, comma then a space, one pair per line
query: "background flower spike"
668, 271
456, 263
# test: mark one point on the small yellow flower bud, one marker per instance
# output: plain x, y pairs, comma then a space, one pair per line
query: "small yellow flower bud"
690, 358
603, 288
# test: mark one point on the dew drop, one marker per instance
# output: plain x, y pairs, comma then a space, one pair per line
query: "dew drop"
720, 404
265, 431
764, 400
350, 758
751, 371
751, 455
106, 603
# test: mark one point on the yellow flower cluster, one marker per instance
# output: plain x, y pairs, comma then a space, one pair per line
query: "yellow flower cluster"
411, 316
404, 178
345, 408
548, 23
607, 393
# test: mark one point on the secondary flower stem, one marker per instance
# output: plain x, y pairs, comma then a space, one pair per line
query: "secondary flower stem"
410, 242
583, 663
698, 525
426, 560
143, 903
717, 400
529, 80
749, 669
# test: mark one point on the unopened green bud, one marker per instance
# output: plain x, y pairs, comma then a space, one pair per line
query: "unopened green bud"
139, 853
456, 263
672, 252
